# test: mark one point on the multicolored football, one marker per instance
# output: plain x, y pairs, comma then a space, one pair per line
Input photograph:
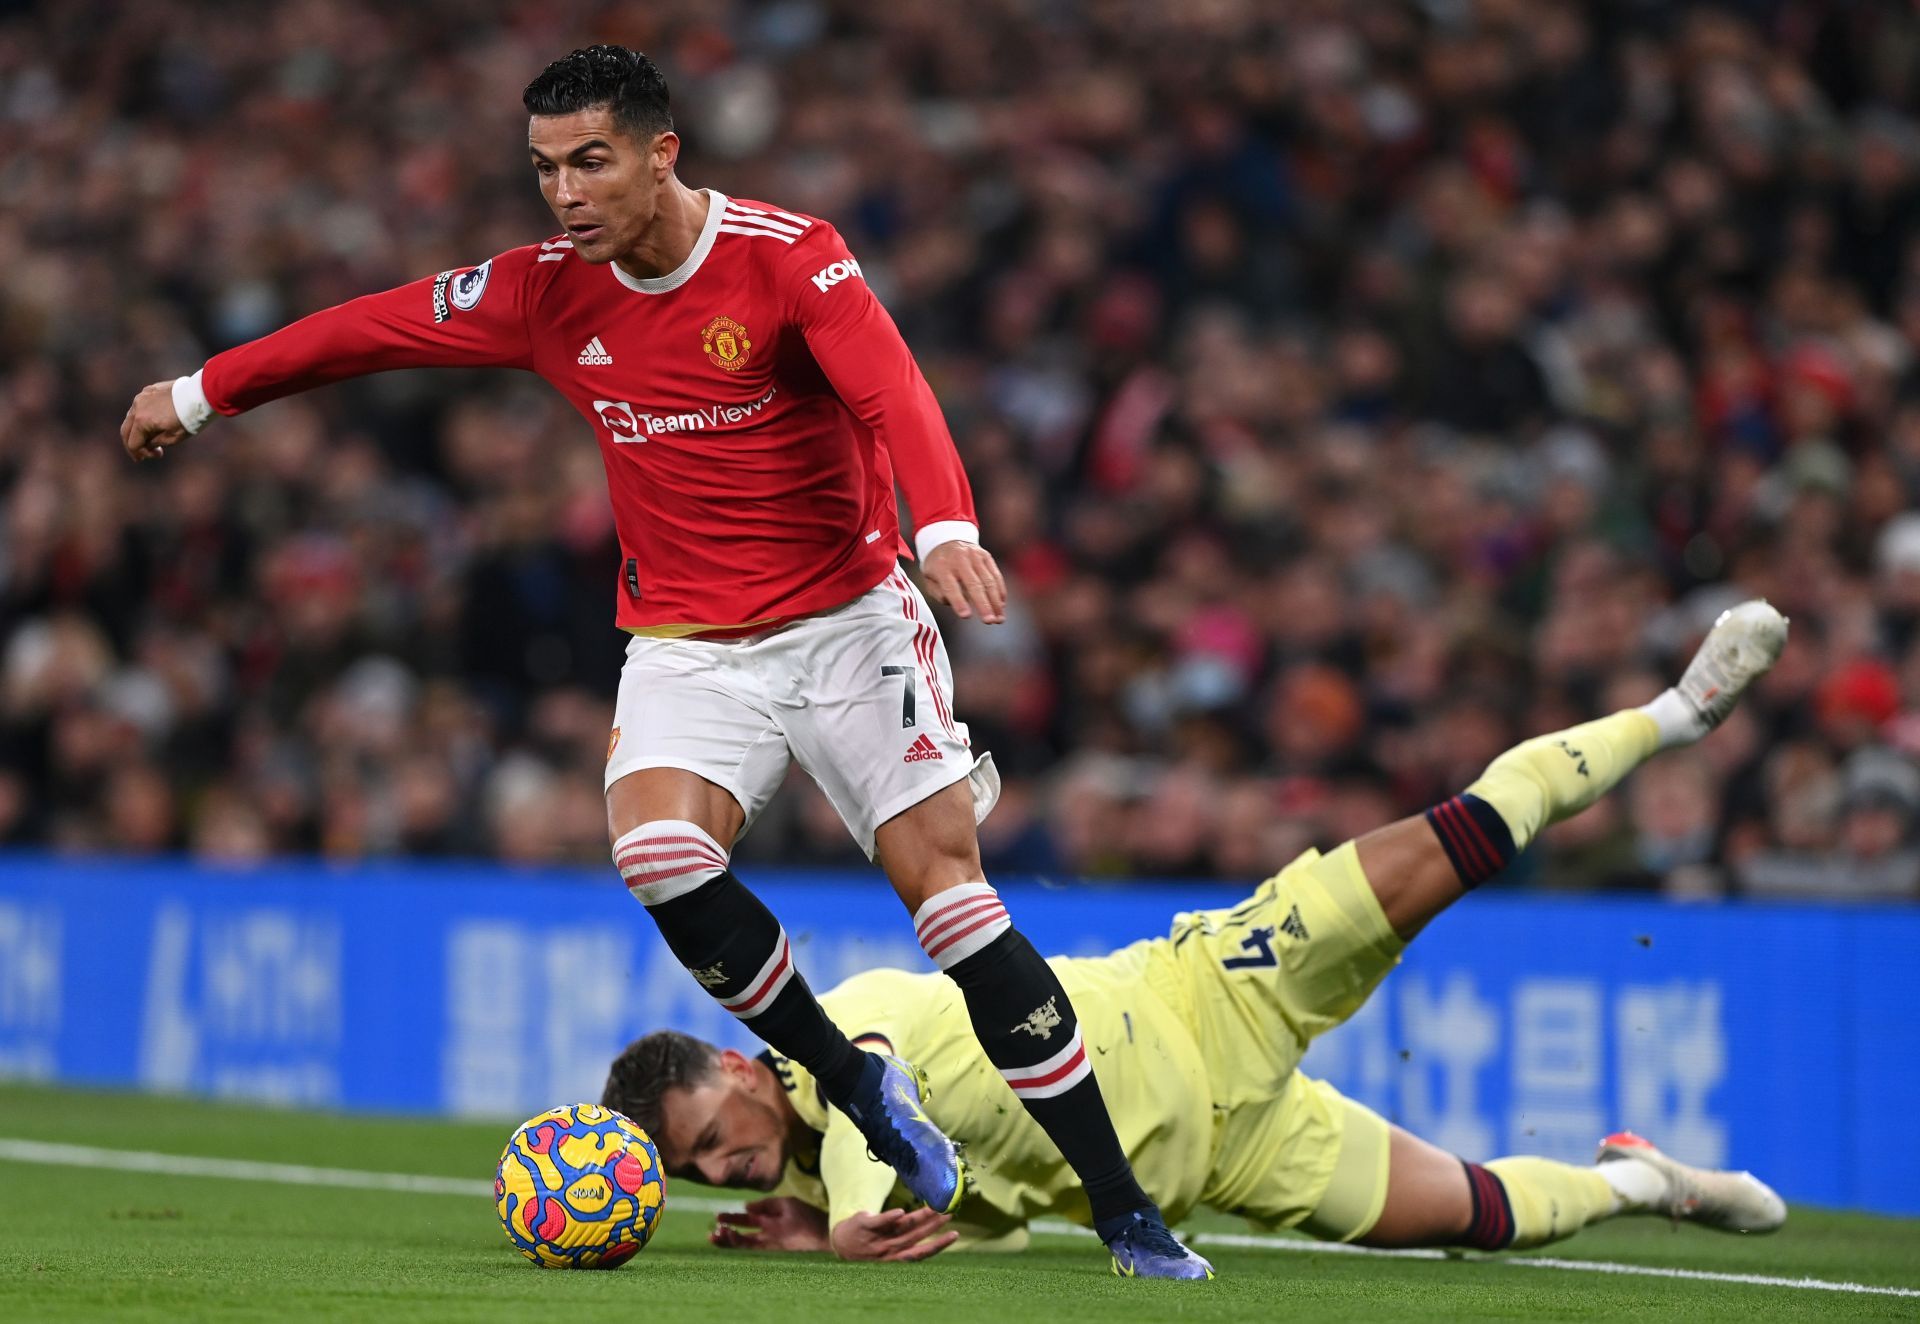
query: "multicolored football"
580, 1187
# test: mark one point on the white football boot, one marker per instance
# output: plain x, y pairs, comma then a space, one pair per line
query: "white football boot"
1728, 1201
1742, 646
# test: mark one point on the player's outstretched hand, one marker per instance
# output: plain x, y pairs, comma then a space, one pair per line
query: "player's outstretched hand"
151, 424
775, 1223
965, 576
897, 1234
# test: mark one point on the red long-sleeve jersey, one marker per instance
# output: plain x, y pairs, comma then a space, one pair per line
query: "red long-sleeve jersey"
752, 407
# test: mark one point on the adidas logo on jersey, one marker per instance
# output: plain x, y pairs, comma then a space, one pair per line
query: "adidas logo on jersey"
922, 750
594, 355
1292, 927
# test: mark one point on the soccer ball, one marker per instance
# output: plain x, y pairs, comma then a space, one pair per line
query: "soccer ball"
580, 1187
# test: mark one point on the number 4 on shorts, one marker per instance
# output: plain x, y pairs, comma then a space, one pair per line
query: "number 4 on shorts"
906, 696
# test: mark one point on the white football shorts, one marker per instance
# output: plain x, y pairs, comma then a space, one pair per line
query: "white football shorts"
861, 696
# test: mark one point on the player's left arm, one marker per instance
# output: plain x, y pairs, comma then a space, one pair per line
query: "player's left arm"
778, 1222
862, 353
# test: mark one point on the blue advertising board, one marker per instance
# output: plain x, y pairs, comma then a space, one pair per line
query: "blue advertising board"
1783, 1038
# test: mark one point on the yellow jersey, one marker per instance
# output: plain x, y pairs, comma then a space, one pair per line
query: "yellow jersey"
1195, 1038
1145, 1058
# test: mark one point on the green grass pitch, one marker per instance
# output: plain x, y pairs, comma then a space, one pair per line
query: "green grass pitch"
90, 1243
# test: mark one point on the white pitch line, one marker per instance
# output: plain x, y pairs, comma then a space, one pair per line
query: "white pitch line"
185, 1165
298, 1174
1244, 1241
1704, 1275
286, 1174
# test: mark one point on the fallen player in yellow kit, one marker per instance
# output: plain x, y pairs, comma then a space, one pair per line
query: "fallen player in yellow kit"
1195, 1039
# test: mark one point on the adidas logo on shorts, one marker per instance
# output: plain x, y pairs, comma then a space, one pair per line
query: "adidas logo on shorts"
922, 750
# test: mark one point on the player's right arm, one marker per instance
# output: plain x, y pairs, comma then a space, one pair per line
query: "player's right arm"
790, 1224
859, 1225
899, 1235
473, 317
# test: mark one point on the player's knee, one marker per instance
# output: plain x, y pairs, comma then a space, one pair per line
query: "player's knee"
667, 858
931, 846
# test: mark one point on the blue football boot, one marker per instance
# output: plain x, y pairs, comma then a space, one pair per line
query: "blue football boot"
1143, 1248
888, 1111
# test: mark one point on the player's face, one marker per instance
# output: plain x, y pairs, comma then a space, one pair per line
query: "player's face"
602, 183
725, 1131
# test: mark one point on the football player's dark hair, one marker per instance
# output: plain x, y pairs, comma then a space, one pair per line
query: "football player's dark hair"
623, 81
650, 1066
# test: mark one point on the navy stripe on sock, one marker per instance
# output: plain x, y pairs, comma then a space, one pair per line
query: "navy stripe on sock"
1491, 1227
1474, 836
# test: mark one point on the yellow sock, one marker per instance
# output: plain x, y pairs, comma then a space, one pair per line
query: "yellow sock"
1552, 1200
1555, 776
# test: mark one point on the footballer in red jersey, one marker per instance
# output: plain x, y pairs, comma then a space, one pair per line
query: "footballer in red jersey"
755, 407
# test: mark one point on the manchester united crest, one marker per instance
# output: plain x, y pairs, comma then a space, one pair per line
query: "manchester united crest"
726, 343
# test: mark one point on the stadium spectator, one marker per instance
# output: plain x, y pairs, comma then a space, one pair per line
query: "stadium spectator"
1348, 390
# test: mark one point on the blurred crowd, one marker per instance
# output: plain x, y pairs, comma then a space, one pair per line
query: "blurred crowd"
1350, 388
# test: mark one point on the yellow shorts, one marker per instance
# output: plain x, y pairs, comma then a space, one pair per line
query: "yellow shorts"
1256, 983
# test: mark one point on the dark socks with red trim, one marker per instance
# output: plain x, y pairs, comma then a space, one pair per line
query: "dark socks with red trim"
1474, 836
1492, 1225
1026, 1024
734, 946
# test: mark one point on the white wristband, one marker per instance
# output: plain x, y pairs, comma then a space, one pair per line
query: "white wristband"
941, 531
190, 402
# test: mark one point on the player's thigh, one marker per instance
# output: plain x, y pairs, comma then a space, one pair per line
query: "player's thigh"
1307, 1157
651, 795
870, 715
689, 719
930, 846
1428, 1201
